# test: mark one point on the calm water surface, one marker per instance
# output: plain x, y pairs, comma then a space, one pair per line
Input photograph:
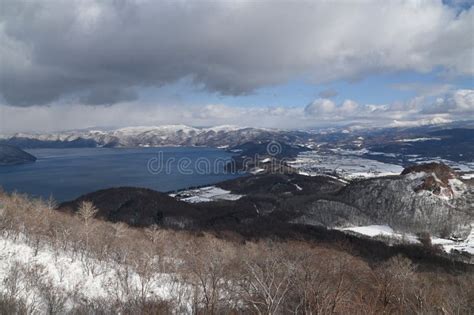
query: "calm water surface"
69, 173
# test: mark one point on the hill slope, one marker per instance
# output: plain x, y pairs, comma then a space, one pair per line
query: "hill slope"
10, 155
136, 206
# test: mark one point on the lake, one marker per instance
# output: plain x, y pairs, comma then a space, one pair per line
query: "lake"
68, 173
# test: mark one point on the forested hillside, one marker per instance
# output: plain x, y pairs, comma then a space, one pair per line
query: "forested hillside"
55, 262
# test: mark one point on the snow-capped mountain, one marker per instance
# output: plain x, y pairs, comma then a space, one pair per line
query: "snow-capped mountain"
172, 135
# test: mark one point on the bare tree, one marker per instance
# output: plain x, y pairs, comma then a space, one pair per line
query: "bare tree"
87, 211
266, 279
395, 278
146, 271
153, 233
206, 266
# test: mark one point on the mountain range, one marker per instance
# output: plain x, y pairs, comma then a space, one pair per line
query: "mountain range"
425, 140
173, 135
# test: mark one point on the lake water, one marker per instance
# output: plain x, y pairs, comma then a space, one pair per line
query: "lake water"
68, 173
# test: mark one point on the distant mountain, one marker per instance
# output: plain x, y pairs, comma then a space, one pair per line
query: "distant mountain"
10, 155
401, 146
174, 135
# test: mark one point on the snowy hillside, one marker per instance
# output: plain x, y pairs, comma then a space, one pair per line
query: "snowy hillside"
38, 271
146, 136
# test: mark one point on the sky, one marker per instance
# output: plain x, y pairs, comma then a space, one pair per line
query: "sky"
275, 64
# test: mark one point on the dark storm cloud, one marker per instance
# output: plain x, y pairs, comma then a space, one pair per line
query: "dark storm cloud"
55, 49
108, 95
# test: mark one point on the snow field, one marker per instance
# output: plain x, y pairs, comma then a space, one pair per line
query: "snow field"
206, 194
448, 245
78, 277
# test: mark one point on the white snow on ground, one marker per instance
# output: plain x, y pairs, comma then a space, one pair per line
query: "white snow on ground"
466, 245
361, 152
206, 194
298, 187
345, 166
71, 275
419, 139
463, 246
468, 176
225, 128
350, 164
257, 171
350, 152
381, 230
371, 230
457, 186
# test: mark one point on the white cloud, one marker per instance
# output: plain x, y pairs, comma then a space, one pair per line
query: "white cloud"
420, 122
321, 107
349, 106
463, 101
459, 102
456, 105
326, 109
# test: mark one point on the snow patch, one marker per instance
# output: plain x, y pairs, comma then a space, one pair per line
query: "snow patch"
298, 187
468, 176
448, 245
381, 230
224, 128
257, 171
371, 230
206, 194
419, 139
345, 163
466, 246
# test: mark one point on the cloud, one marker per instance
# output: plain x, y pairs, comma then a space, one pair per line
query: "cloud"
217, 112
320, 107
459, 102
103, 50
420, 122
328, 110
423, 89
455, 105
328, 93
108, 95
